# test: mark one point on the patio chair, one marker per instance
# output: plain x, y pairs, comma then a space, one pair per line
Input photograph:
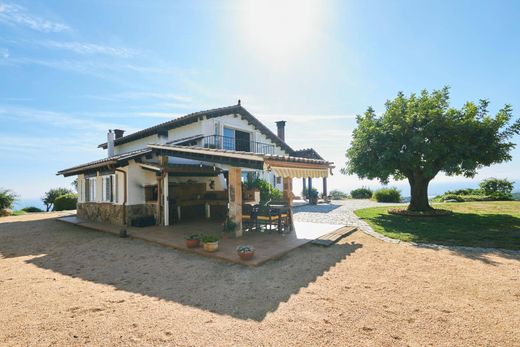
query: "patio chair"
249, 216
283, 217
267, 218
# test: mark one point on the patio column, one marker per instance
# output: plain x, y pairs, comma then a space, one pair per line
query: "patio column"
325, 186
166, 202
304, 190
235, 198
288, 196
310, 186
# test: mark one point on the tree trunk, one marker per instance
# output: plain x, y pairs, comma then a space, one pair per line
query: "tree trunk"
419, 192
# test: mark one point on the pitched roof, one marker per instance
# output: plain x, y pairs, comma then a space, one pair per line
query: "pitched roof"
307, 153
196, 116
116, 159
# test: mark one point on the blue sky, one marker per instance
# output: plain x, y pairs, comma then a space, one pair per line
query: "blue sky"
70, 70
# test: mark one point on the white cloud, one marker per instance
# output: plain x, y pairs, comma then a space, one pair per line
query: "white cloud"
89, 48
17, 15
4, 52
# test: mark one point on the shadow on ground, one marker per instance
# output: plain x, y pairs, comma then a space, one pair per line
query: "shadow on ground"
140, 267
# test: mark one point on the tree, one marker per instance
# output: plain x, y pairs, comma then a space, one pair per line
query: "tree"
7, 198
52, 194
421, 135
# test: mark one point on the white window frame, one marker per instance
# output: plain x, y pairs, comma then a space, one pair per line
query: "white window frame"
107, 183
90, 196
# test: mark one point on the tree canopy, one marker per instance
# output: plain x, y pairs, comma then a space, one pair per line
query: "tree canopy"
421, 135
51, 195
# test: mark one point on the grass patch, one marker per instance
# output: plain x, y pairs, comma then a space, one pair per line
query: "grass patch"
18, 213
476, 224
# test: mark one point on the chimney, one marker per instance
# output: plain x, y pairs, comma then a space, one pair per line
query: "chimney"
110, 143
119, 133
281, 129
163, 136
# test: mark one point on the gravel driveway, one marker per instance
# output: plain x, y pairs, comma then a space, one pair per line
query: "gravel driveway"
337, 212
63, 285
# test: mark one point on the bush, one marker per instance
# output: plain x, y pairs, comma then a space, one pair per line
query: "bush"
50, 197
502, 187
338, 195
32, 209
7, 198
491, 189
361, 193
387, 195
267, 191
65, 202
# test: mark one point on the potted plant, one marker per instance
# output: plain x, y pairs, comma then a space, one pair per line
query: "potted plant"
313, 196
210, 243
193, 241
228, 228
245, 252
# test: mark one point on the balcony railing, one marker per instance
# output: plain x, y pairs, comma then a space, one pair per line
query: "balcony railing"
234, 144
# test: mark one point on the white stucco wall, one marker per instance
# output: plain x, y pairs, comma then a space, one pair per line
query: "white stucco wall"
137, 144
137, 179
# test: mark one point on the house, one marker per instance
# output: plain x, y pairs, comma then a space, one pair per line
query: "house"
190, 167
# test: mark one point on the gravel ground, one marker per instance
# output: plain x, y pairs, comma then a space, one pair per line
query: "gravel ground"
337, 212
68, 286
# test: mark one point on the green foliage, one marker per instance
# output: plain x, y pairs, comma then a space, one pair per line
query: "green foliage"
419, 136
245, 249
313, 193
7, 198
267, 191
473, 224
229, 226
50, 196
338, 195
387, 195
209, 238
361, 193
516, 196
32, 209
492, 186
65, 202
193, 237
491, 189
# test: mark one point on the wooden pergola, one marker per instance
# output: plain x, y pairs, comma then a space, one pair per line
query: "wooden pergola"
286, 167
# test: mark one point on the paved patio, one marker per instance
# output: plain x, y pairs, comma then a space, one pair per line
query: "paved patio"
267, 246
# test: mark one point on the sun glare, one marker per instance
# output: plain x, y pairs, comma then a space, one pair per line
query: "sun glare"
279, 29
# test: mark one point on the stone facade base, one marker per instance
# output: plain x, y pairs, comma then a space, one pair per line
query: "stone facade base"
114, 214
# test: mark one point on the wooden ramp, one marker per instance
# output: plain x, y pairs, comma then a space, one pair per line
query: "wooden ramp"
329, 239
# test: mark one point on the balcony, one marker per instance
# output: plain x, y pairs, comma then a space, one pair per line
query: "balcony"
235, 144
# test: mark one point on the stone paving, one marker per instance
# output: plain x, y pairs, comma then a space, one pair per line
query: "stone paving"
337, 212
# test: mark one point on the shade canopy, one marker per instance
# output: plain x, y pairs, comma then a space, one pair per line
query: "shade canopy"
293, 172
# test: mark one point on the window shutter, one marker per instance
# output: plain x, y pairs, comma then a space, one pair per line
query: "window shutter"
87, 190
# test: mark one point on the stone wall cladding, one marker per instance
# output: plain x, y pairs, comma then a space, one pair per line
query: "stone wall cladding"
101, 212
114, 214
141, 210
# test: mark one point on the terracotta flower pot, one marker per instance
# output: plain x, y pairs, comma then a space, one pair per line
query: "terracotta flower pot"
210, 246
246, 255
192, 243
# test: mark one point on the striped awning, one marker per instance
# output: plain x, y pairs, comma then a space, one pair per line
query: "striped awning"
299, 172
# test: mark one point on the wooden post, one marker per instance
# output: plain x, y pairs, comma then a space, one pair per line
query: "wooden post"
166, 202
310, 186
235, 198
288, 196
325, 186
304, 190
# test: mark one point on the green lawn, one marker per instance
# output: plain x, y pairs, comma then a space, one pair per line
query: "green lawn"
476, 224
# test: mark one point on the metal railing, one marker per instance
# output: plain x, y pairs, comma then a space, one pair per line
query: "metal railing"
231, 143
